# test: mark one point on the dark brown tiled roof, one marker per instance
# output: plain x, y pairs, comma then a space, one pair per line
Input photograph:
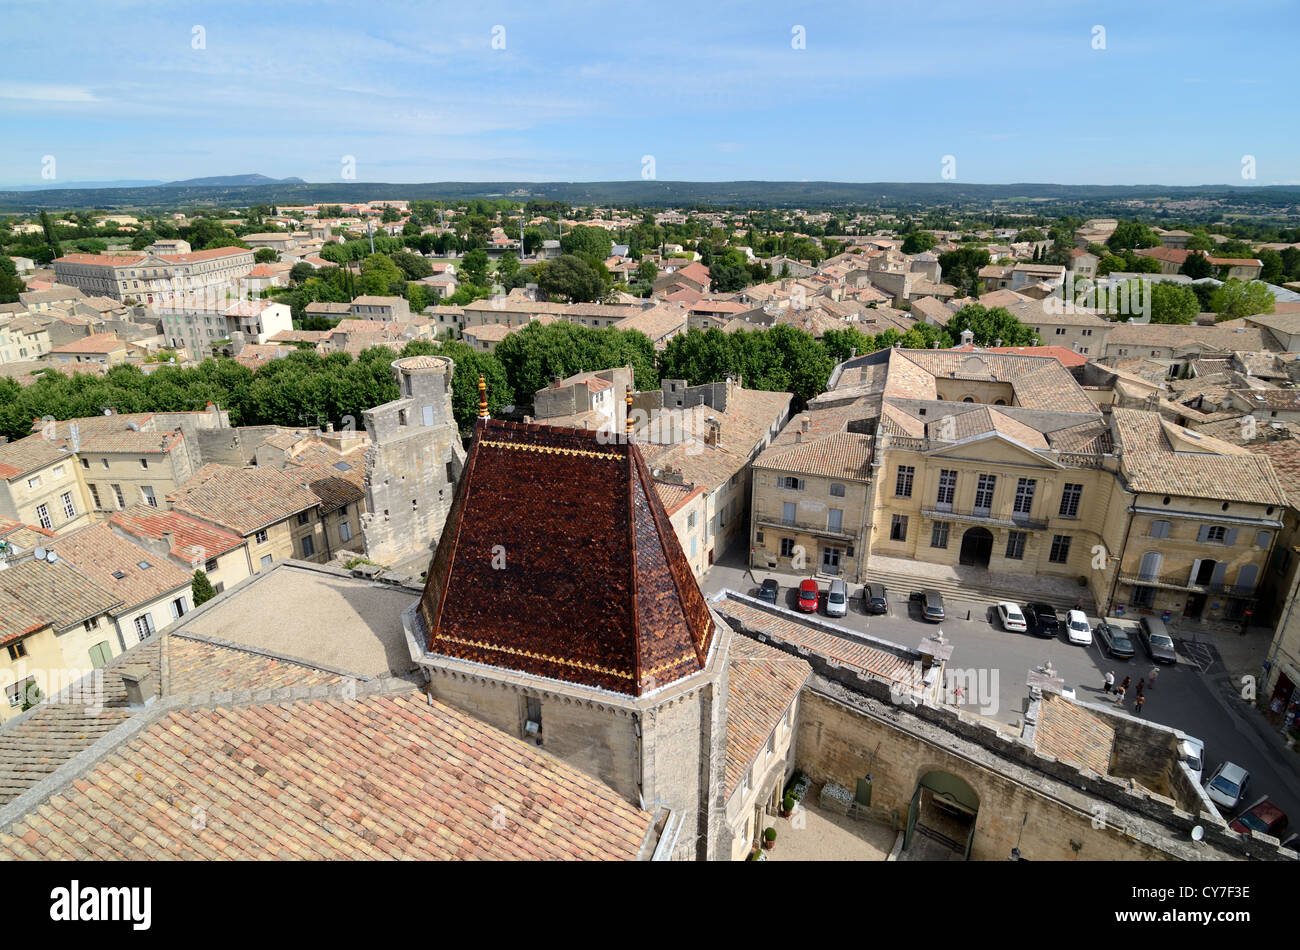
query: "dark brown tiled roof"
595, 588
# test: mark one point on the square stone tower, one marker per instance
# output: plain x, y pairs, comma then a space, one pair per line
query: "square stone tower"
414, 460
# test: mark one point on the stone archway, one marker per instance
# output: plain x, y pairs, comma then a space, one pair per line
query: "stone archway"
941, 818
976, 547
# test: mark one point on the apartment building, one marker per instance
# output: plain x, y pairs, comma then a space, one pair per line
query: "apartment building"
39, 485
187, 542
308, 513
122, 466
150, 277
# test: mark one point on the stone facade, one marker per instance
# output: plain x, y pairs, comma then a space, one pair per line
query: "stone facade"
414, 460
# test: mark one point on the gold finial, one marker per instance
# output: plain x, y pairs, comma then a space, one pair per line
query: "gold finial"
482, 397
629, 414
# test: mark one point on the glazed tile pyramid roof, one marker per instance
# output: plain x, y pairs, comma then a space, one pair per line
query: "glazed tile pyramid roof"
595, 589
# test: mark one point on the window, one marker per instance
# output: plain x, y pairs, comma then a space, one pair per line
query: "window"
91, 624
85, 463
104, 462
100, 654
898, 528
147, 492
1213, 534
1016, 545
345, 531
939, 535
947, 488
17, 650
1070, 496
303, 517
144, 463
1144, 596
690, 520
903, 483
787, 547
43, 517
837, 490
260, 537
984, 493
266, 560
1060, 552
94, 496
1159, 529
58, 471
308, 547
1263, 538
210, 566
144, 626
179, 607
19, 692
1060, 331
1024, 496
787, 512
69, 509
790, 482
121, 499
34, 481
834, 519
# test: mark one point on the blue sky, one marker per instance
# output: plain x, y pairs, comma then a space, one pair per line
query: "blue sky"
1014, 91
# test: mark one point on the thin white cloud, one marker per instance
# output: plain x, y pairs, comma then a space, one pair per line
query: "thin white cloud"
45, 92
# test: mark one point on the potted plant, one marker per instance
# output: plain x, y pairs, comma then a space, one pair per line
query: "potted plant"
769, 839
787, 805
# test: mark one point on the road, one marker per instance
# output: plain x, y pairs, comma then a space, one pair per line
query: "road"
993, 665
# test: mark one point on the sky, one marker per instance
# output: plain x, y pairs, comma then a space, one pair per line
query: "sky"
1141, 92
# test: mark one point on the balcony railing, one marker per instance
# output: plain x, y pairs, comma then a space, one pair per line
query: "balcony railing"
1181, 582
777, 521
1015, 519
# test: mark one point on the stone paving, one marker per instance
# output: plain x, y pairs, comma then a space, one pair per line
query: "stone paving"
826, 836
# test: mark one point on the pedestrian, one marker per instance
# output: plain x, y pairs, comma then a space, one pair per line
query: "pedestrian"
1137, 708
1119, 695
1151, 679
958, 694
1140, 685
1127, 680
1110, 681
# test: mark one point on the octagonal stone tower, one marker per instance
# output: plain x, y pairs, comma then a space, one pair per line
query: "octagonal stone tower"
414, 460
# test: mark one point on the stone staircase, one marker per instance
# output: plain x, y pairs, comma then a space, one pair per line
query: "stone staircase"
977, 593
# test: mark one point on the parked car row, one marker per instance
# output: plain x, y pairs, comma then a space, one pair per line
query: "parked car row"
875, 599
1227, 789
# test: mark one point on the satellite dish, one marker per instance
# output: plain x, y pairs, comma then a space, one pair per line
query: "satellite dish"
51, 556
1198, 833
40, 553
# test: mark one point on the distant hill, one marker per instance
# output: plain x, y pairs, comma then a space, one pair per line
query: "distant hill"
226, 181
77, 185
244, 190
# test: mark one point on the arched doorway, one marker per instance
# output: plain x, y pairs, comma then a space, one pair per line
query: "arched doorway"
976, 547
941, 818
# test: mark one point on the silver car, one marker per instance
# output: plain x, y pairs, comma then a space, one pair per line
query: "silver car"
837, 599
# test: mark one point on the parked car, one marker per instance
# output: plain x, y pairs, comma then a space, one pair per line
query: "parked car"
931, 602
1077, 628
1227, 785
1263, 818
1041, 620
1193, 753
1010, 617
1156, 640
808, 594
875, 600
837, 599
768, 590
1115, 640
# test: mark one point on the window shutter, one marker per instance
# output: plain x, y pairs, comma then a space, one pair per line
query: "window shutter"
1219, 570
1231, 537
1202, 533
1247, 575
1196, 569
1262, 539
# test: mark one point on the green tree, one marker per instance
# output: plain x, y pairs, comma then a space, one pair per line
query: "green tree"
990, 325
572, 278
10, 284
473, 267
1130, 235
1171, 303
961, 268
1238, 299
1197, 267
266, 255
1029, 235
918, 241
379, 274
201, 588
591, 244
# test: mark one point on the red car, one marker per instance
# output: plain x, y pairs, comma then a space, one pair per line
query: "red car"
1263, 817
808, 596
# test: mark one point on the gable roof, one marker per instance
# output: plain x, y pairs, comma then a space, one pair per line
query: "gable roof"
53, 594
595, 591
102, 555
763, 682
245, 500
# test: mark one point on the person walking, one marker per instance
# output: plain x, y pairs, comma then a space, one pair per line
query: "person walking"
1151, 679
1124, 685
1110, 681
1137, 707
1119, 695
1140, 684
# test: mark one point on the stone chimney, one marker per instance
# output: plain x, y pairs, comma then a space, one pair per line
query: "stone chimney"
140, 686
